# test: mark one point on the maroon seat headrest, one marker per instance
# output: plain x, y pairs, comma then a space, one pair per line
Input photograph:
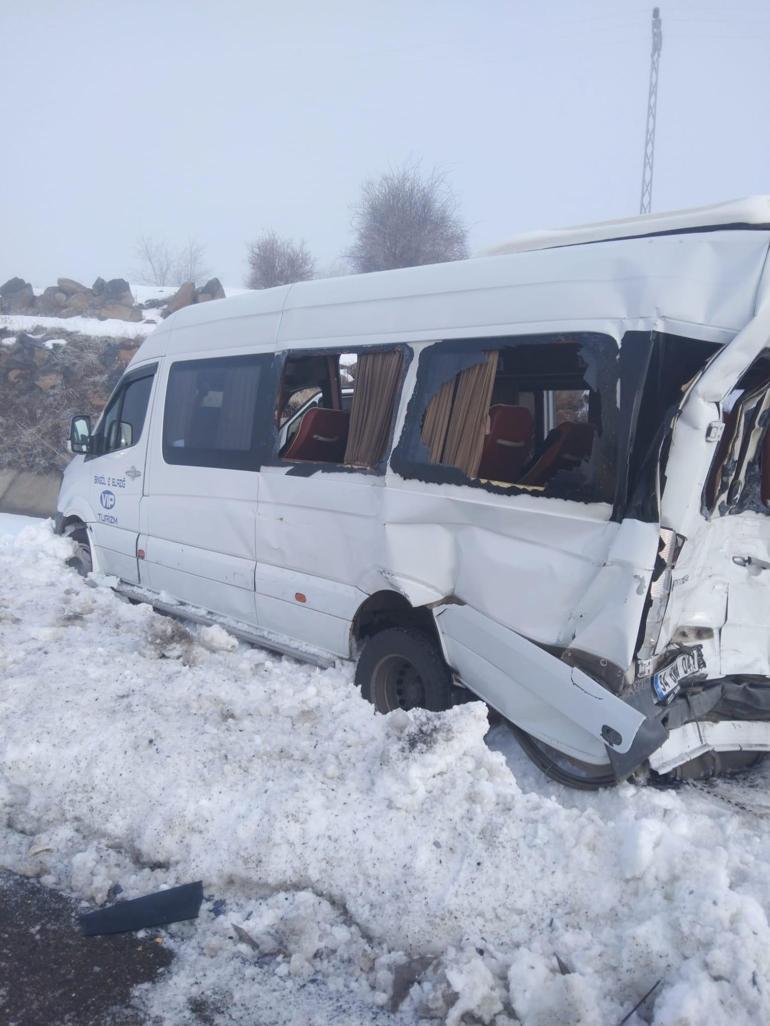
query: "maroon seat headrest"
570, 443
321, 437
508, 445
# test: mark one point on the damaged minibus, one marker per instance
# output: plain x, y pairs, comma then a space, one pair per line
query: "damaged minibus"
540, 477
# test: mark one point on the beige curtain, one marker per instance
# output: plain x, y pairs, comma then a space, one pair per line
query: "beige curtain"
374, 401
434, 427
456, 419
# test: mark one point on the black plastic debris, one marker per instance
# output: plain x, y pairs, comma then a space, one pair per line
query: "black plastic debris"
158, 909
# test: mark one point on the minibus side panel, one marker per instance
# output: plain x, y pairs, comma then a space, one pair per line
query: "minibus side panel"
320, 538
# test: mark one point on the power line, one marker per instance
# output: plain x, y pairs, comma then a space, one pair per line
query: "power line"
645, 203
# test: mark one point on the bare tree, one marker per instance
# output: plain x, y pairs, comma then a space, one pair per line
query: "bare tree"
160, 265
277, 261
156, 262
406, 218
190, 263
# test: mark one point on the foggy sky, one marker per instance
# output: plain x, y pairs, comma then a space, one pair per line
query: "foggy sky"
217, 120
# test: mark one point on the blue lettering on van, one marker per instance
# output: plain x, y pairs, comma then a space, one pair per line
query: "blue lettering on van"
107, 499
106, 518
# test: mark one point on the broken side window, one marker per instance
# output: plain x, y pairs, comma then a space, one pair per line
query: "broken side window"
338, 408
532, 412
667, 366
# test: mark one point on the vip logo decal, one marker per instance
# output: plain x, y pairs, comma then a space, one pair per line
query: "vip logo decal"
107, 499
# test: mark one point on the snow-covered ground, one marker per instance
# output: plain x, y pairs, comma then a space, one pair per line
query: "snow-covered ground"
354, 852
111, 328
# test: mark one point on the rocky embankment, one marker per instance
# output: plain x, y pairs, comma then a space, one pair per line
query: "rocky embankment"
50, 371
104, 300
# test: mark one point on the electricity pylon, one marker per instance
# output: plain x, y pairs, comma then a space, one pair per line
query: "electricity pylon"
645, 204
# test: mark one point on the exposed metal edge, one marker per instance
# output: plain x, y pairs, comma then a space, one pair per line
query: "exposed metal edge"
698, 737
253, 635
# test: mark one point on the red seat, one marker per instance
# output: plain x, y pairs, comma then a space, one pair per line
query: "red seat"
321, 437
570, 444
508, 445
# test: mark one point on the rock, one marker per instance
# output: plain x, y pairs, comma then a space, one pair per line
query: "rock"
98, 286
16, 297
211, 290
119, 312
48, 381
13, 285
70, 287
17, 374
125, 356
77, 304
184, 296
117, 290
52, 301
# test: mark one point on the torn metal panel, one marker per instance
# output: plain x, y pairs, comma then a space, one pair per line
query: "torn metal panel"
695, 739
605, 622
693, 436
557, 703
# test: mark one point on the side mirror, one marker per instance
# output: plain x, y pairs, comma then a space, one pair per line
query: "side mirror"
80, 434
126, 435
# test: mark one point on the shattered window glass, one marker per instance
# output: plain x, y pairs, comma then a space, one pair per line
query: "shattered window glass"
537, 413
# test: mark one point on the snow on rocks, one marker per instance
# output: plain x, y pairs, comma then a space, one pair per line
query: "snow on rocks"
368, 862
110, 328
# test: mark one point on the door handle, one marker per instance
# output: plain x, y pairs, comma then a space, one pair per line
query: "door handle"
133, 473
760, 564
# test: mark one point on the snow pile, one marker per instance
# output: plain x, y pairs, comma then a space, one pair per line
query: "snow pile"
352, 863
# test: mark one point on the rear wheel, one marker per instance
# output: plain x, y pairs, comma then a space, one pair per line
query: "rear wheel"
584, 776
403, 668
82, 560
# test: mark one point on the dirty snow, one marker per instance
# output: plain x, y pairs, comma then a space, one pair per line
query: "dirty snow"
352, 862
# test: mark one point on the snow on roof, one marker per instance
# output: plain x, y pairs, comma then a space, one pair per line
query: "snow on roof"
752, 212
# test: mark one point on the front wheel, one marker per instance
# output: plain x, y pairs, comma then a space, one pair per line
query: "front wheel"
403, 668
82, 560
564, 769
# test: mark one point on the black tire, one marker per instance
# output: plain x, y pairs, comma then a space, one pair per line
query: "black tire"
82, 561
403, 668
583, 776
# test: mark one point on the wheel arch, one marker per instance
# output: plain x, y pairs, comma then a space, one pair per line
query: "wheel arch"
387, 608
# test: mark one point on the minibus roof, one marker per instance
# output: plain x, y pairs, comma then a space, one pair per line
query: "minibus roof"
752, 213
684, 271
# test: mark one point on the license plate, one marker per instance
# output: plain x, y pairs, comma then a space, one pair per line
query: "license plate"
666, 682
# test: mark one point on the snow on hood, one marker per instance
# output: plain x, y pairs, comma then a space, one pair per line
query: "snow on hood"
136, 753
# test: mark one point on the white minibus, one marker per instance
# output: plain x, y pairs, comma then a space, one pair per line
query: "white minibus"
540, 478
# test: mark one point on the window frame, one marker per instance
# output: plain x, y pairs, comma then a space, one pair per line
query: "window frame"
303, 468
117, 396
409, 458
222, 459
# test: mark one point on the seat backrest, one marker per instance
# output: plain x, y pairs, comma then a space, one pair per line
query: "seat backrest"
569, 445
508, 445
321, 437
